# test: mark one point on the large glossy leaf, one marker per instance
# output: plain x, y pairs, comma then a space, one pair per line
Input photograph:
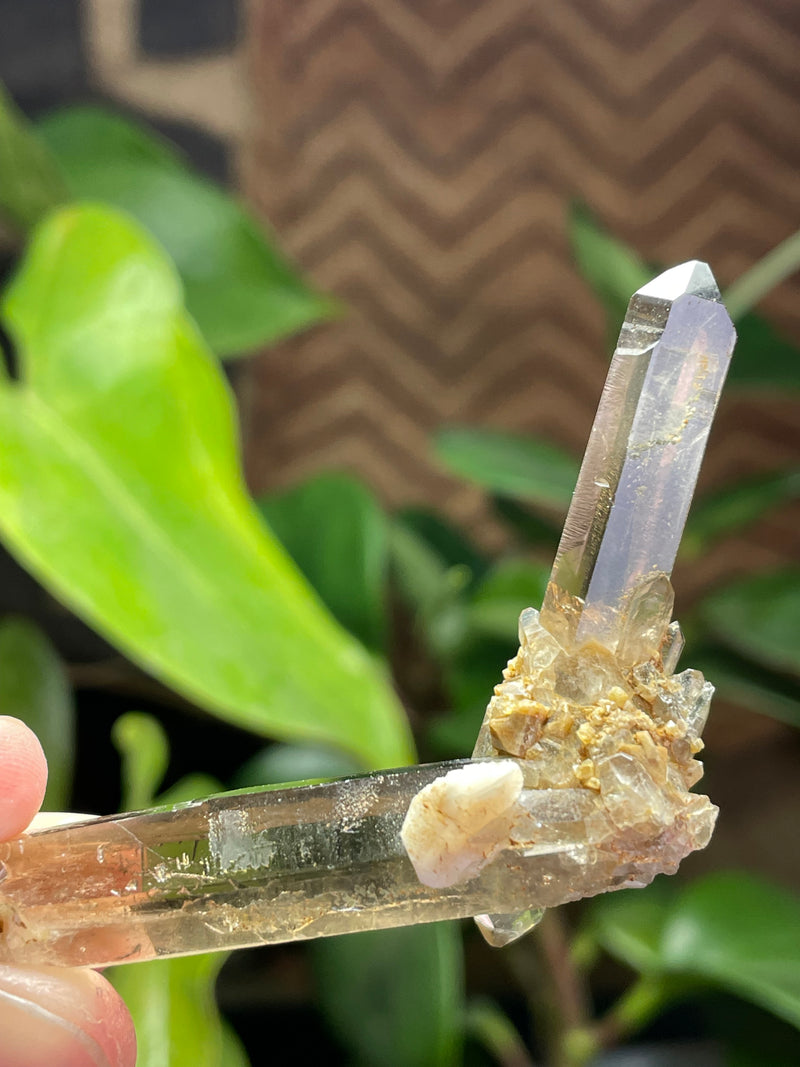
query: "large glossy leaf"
760, 616
735, 507
395, 997
520, 467
239, 288
742, 933
120, 489
34, 688
731, 930
335, 531
30, 180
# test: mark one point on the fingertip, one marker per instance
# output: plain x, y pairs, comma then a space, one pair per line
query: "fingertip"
23, 776
70, 1018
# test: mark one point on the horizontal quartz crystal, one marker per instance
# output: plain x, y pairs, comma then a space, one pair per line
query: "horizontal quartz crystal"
285, 864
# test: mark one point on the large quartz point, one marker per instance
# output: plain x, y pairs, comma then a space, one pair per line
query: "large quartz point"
591, 702
610, 580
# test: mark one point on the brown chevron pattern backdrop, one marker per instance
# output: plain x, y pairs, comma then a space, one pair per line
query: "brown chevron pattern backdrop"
417, 157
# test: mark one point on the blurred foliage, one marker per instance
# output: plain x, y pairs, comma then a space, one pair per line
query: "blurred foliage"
30, 180
120, 490
348, 567
729, 930
238, 287
172, 1002
34, 687
401, 1002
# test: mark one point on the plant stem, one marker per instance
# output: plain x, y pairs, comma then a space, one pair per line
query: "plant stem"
570, 985
497, 1034
635, 1009
558, 994
764, 276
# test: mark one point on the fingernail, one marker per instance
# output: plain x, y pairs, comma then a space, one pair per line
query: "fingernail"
70, 1018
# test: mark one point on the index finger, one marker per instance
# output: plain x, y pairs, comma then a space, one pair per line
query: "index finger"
23, 776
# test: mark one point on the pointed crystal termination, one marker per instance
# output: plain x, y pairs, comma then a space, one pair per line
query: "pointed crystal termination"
591, 703
610, 579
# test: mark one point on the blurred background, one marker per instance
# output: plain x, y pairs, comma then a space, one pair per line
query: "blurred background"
419, 160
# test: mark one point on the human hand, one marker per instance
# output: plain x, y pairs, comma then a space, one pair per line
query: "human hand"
51, 1016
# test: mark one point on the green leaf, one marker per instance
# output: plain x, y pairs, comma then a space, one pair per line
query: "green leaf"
630, 925
173, 1008
233, 1051
452, 547
737, 932
335, 531
192, 786
294, 763
433, 590
760, 616
724, 513
531, 528
612, 269
34, 688
143, 747
241, 291
471, 675
519, 467
395, 997
493, 1029
120, 489
510, 586
763, 359
742, 933
30, 180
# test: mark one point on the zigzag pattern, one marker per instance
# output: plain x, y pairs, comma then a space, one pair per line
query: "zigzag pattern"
418, 159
